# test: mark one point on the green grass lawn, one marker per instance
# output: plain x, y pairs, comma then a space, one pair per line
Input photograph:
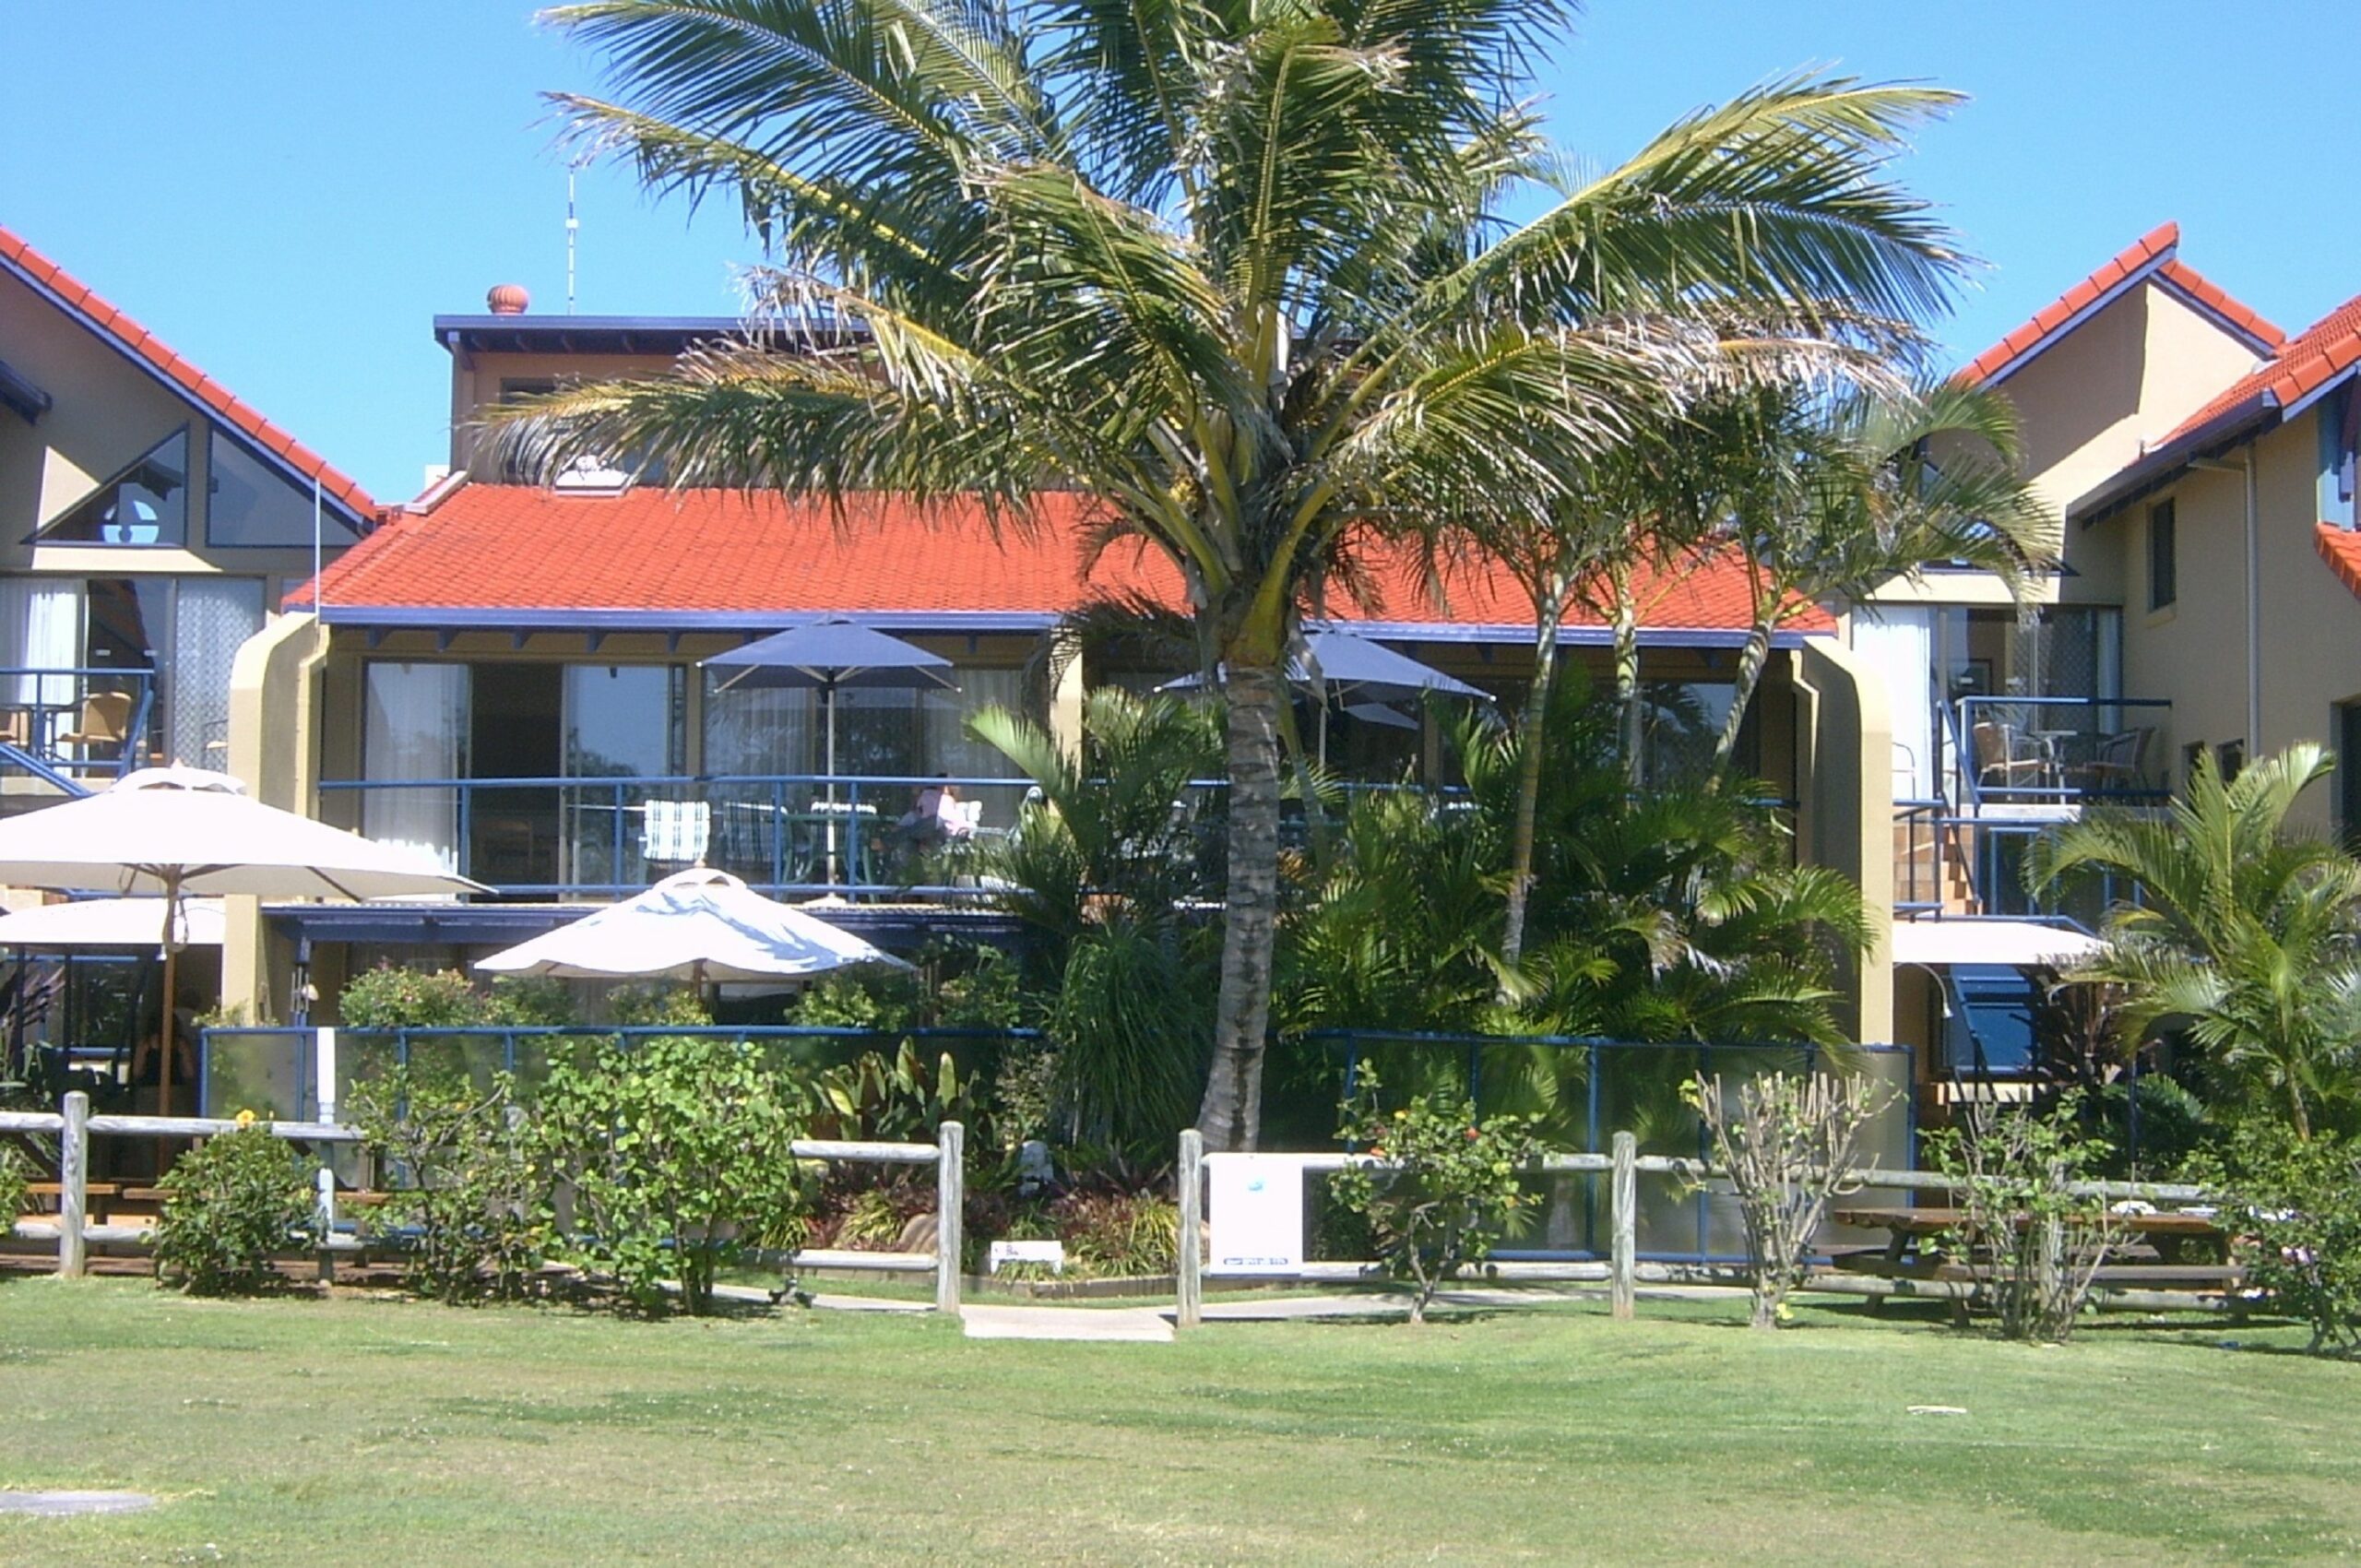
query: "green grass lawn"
367, 1431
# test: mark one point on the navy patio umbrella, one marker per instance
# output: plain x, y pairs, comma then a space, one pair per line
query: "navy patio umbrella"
828, 656
1361, 677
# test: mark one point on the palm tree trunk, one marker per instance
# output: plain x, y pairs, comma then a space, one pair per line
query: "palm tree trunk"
1547, 617
2296, 1110
1627, 677
1751, 659
1231, 1115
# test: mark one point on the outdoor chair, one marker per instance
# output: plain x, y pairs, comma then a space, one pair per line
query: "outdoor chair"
2005, 757
2123, 760
675, 832
106, 721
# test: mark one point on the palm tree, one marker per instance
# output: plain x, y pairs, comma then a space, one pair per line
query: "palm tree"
1222, 267
1829, 496
2248, 933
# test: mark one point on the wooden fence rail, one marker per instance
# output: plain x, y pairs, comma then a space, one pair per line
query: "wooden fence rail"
1622, 1272
75, 1127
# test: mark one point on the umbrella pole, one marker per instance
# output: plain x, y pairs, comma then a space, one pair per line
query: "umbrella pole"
829, 692
164, 1035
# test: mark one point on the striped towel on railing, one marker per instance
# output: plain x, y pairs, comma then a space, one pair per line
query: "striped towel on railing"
676, 830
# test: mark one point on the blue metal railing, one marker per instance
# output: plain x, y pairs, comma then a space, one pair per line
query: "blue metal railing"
55, 719
2059, 751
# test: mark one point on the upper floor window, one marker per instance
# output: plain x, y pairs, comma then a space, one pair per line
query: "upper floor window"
2163, 549
145, 503
248, 505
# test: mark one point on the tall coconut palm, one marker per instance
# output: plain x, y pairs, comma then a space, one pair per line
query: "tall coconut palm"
2246, 932
1830, 495
1224, 267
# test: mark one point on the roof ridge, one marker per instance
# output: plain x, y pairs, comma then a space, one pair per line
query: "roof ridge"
2144, 254
111, 321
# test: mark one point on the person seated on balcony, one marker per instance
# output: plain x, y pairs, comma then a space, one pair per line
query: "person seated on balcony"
932, 818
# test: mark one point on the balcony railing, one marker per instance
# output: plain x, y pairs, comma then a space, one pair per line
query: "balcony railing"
73, 725
2060, 752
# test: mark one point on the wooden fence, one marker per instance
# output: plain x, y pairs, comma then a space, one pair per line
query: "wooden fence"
75, 1127
1622, 1272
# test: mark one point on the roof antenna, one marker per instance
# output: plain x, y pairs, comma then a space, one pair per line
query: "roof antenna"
573, 228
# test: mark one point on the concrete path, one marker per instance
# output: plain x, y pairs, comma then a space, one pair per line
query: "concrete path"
1137, 1324
1290, 1309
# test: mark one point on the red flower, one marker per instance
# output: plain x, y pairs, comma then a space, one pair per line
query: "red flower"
1471, 1134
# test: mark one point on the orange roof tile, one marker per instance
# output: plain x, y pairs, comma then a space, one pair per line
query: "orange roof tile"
497, 548
2304, 364
138, 340
2340, 548
2211, 296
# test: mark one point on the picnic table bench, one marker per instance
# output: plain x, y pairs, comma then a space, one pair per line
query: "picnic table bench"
2177, 1241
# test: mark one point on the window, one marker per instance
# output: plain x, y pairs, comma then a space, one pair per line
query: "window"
248, 504
2347, 730
2230, 756
2163, 585
145, 503
1990, 1031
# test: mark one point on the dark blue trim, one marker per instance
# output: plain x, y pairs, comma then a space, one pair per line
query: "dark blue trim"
528, 334
2262, 347
342, 516
2233, 427
503, 925
156, 373
27, 401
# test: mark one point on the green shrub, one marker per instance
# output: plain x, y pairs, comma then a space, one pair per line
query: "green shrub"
392, 998
1440, 1186
1118, 1235
13, 1193
2299, 1224
473, 1193
901, 1098
677, 1150
2033, 1244
230, 1205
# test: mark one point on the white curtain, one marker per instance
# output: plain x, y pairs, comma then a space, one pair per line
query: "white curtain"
212, 618
40, 628
416, 728
759, 731
949, 748
1900, 643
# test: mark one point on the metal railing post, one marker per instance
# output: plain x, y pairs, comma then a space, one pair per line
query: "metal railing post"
1623, 1202
1188, 1262
73, 1185
950, 1199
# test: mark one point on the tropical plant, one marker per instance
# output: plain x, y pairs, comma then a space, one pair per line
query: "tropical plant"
1439, 1183
2298, 1229
2243, 937
1831, 494
1788, 1146
1249, 278
2031, 1241
678, 1154
232, 1205
901, 1098
14, 1186
467, 1186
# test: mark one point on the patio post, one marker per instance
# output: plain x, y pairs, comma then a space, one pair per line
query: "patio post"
1188, 1262
73, 1184
1623, 1202
950, 1196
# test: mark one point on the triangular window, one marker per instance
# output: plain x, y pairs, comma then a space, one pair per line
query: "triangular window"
248, 503
145, 503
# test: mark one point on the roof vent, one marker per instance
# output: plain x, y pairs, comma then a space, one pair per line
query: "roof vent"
591, 476
508, 299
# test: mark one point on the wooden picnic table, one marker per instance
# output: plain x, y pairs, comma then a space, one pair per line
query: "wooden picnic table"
2175, 1237
1932, 1221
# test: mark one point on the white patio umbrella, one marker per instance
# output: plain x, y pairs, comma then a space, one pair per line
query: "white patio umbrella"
699, 925
110, 922
177, 831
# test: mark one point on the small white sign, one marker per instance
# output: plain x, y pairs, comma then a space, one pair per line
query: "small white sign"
1050, 1252
1255, 1208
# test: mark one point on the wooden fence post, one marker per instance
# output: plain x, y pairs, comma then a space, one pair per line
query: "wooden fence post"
73, 1185
950, 1200
1188, 1260
1623, 1210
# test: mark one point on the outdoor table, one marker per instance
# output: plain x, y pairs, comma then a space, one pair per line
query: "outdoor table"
2173, 1235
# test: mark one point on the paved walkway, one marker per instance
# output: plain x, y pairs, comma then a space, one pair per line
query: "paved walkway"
1137, 1325
59, 1504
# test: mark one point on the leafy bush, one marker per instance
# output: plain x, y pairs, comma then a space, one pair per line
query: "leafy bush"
2300, 1228
1786, 1142
677, 1149
2033, 1245
230, 1205
900, 1098
1118, 1235
474, 1193
388, 997
1440, 1185
13, 1179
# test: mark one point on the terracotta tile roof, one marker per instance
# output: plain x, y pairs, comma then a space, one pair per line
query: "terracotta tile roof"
215, 398
2340, 548
2147, 251
2152, 253
2305, 364
497, 548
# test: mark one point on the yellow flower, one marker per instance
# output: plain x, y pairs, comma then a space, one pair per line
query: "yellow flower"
245, 1119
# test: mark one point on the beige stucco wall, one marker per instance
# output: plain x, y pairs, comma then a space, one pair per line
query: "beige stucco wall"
476, 379
274, 725
1844, 744
2195, 651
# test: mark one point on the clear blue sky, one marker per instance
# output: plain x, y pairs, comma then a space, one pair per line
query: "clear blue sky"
287, 190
